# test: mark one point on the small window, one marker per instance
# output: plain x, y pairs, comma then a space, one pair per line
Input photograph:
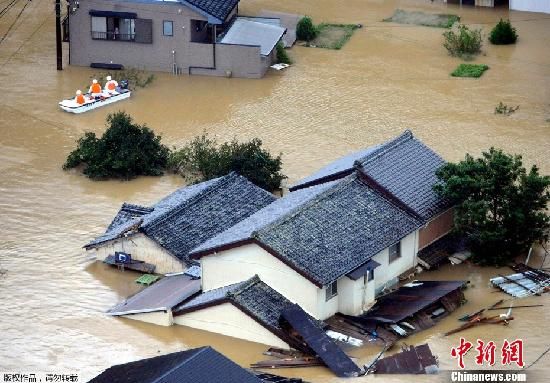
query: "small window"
332, 290
168, 28
371, 275
395, 252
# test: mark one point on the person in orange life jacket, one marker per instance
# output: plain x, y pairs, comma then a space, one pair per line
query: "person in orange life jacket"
95, 89
110, 85
79, 97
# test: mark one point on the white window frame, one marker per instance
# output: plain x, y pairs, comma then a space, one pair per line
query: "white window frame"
332, 290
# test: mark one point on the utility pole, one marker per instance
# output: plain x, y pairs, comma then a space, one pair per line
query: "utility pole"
58, 47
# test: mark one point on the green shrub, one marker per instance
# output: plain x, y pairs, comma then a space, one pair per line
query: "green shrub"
282, 56
469, 70
503, 33
126, 150
305, 30
504, 109
462, 41
203, 159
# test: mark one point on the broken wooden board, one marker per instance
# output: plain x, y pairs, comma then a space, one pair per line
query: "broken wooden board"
134, 265
288, 363
264, 377
414, 360
314, 336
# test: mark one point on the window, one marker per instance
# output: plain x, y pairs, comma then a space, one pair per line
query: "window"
332, 290
395, 252
113, 28
168, 28
370, 275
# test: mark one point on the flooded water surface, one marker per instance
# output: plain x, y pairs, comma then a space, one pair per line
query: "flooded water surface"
388, 78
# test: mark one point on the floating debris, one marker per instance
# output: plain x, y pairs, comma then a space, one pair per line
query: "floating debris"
147, 279
412, 360
479, 319
525, 282
132, 265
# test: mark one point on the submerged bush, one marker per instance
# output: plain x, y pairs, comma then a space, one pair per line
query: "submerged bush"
282, 56
503, 33
203, 159
462, 41
306, 30
126, 150
136, 78
469, 70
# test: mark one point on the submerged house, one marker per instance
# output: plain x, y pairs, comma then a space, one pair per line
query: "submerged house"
179, 36
165, 233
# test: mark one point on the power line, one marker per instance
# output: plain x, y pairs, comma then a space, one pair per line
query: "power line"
8, 7
26, 41
15, 21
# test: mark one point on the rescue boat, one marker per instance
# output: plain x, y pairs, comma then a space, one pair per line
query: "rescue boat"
105, 98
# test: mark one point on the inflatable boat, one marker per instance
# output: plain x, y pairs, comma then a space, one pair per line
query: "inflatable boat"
71, 106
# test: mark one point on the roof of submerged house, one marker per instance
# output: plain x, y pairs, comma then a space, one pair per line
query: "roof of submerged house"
217, 8
323, 232
252, 296
403, 167
199, 365
191, 215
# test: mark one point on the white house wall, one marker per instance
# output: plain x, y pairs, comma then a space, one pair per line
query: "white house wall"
144, 249
161, 318
530, 5
386, 274
228, 320
243, 262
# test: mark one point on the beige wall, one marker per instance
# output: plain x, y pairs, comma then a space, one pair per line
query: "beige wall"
228, 320
142, 248
386, 274
161, 318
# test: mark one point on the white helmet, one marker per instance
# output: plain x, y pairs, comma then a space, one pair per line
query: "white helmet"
79, 92
94, 81
108, 78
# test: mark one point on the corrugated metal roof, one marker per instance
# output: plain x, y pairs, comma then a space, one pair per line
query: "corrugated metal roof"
246, 32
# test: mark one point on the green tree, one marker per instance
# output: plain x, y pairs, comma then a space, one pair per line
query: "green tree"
500, 207
126, 150
203, 159
306, 30
503, 33
462, 41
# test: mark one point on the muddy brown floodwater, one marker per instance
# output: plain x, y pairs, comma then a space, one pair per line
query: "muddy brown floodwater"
388, 78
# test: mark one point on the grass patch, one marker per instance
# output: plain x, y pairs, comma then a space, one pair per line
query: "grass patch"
469, 70
333, 36
136, 78
440, 20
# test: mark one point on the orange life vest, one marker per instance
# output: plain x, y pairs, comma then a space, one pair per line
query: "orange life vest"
80, 99
96, 88
111, 85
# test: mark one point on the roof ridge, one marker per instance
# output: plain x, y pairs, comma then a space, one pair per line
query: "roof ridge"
297, 210
199, 351
243, 286
177, 209
386, 147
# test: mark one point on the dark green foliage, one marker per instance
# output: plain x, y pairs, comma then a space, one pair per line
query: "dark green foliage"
203, 159
126, 150
282, 56
463, 41
501, 207
469, 70
503, 33
305, 30
504, 109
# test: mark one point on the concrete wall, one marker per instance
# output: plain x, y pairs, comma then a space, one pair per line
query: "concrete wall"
242, 61
531, 5
436, 228
142, 248
386, 274
161, 318
228, 320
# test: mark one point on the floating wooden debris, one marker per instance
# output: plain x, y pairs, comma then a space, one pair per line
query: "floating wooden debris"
479, 320
270, 378
525, 282
288, 363
366, 331
301, 325
344, 338
279, 66
412, 360
147, 279
515, 307
134, 265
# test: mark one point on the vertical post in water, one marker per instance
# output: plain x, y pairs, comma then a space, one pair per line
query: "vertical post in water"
58, 48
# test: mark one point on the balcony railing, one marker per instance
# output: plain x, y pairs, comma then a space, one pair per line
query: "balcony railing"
115, 36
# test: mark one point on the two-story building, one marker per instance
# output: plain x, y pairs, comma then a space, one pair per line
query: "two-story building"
179, 36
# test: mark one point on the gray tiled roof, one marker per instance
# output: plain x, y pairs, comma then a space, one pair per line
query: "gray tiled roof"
404, 166
257, 298
245, 229
338, 231
199, 365
217, 8
127, 213
324, 231
192, 215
